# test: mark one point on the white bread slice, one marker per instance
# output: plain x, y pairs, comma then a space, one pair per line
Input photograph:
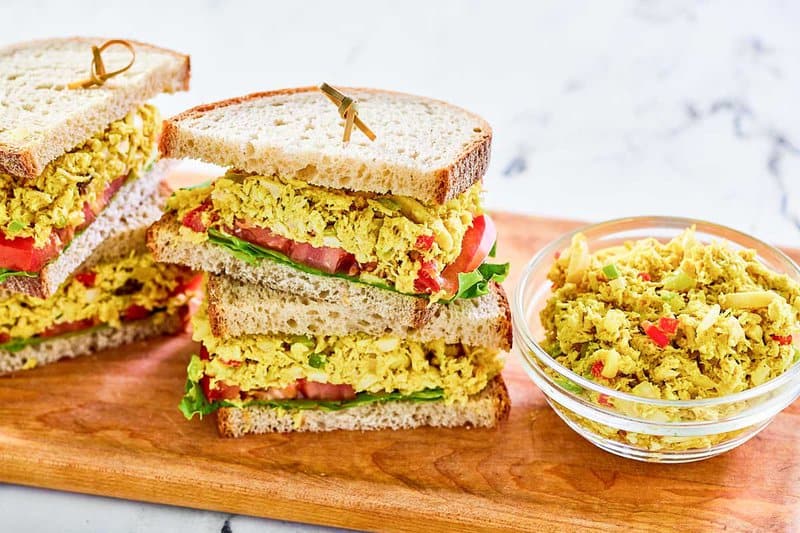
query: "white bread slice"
95, 340
485, 409
136, 205
425, 149
40, 119
236, 308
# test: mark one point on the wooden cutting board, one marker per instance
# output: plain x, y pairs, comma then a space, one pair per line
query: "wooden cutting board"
108, 424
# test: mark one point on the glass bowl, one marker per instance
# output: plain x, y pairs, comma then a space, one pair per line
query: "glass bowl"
666, 431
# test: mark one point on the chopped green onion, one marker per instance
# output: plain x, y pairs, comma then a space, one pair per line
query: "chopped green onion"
569, 385
679, 281
317, 360
611, 271
15, 226
305, 340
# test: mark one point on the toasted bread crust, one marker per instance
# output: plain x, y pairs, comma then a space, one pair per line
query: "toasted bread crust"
26, 163
451, 181
485, 409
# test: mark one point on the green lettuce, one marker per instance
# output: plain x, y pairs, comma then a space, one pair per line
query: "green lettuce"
470, 284
6, 273
15, 345
194, 402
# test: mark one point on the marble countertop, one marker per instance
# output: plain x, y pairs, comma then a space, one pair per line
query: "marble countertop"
599, 110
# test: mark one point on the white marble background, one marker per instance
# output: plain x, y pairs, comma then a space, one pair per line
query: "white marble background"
600, 110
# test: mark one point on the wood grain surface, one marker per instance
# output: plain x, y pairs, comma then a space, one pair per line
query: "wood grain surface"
108, 424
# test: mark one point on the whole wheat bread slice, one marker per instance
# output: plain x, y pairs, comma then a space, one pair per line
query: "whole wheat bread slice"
406, 312
92, 341
425, 149
40, 119
135, 206
486, 409
236, 308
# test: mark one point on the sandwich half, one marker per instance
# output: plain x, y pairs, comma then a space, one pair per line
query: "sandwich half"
282, 382
386, 227
73, 161
119, 295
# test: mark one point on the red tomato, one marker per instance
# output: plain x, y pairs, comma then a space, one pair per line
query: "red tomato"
87, 278
67, 327
192, 284
194, 218
668, 325
90, 211
21, 254
273, 393
262, 237
477, 243
325, 391
135, 312
424, 242
597, 369
221, 391
428, 280
325, 258
4, 338
783, 340
657, 336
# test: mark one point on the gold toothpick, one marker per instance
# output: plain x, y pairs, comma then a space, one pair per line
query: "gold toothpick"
98, 68
348, 110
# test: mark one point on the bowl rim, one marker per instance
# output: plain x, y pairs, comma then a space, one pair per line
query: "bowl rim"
521, 327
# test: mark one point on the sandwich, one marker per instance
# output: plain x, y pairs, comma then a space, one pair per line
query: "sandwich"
75, 162
119, 295
350, 285
79, 185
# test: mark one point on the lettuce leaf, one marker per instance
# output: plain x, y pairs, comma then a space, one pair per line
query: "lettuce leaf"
194, 402
17, 344
6, 273
470, 284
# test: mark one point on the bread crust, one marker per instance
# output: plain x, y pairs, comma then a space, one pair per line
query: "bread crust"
451, 181
25, 163
486, 409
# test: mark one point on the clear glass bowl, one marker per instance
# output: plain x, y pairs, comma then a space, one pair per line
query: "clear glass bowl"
640, 428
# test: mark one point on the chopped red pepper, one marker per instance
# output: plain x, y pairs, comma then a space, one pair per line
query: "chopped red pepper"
87, 278
194, 218
603, 399
658, 336
597, 369
644, 276
783, 340
424, 242
668, 325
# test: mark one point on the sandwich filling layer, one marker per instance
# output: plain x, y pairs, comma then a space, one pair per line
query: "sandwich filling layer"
38, 218
329, 371
110, 293
391, 241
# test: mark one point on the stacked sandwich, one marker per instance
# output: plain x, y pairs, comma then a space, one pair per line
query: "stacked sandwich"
79, 184
348, 287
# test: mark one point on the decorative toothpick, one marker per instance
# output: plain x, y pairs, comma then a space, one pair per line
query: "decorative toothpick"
98, 68
348, 110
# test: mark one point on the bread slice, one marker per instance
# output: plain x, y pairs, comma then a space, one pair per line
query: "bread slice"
236, 308
303, 291
136, 205
40, 119
94, 340
485, 409
425, 149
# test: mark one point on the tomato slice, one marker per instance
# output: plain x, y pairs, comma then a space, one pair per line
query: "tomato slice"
21, 254
325, 391
475, 248
325, 258
262, 236
289, 392
67, 327
90, 211
191, 284
221, 391
135, 312
4, 338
